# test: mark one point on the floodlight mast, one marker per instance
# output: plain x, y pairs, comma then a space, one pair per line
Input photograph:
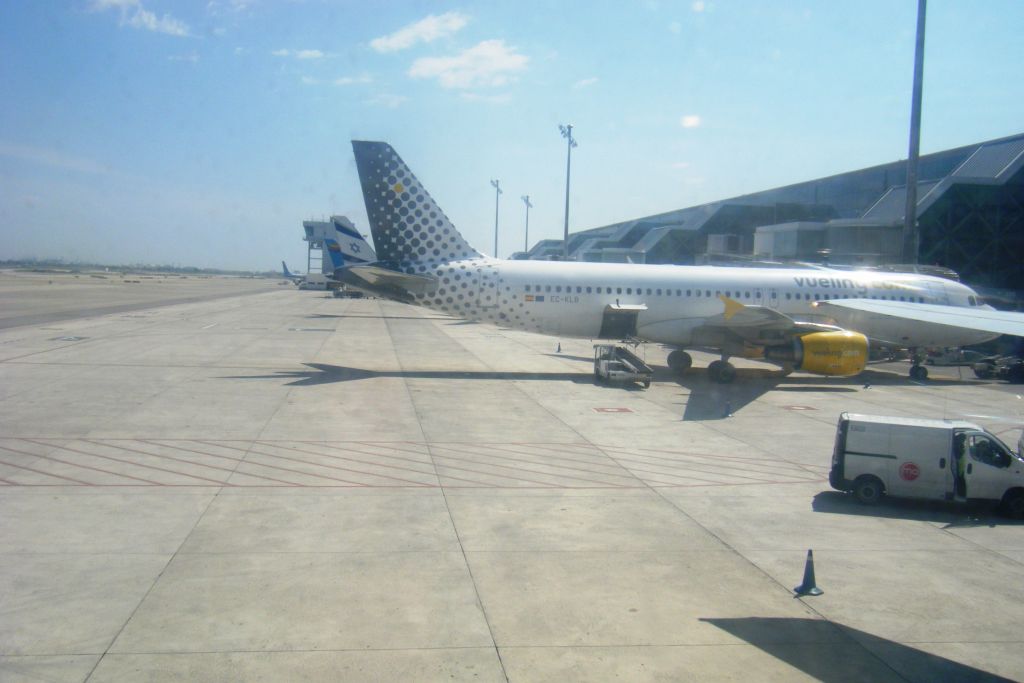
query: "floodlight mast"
570, 143
497, 192
911, 234
526, 235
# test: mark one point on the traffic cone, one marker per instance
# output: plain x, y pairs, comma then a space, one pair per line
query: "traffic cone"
559, 349
808, 587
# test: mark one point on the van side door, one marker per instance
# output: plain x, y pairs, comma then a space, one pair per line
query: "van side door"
987, 471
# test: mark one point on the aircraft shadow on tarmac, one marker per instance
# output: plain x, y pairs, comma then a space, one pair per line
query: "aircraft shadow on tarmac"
322, 373
710, 400
974, 513
381, 317
798, 642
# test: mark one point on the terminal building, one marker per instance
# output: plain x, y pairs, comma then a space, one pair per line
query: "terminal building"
970, 207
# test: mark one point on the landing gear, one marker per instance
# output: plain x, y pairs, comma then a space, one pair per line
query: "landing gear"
721, 371
918, 372
679, 361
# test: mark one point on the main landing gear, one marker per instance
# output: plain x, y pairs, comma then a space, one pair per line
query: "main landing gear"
679, 361
918, 372
721, 371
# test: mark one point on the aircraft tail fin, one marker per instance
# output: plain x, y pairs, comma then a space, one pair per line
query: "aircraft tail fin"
285, 271
409, 230
333, 251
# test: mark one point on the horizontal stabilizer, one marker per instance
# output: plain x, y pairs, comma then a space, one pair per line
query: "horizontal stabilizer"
385, 282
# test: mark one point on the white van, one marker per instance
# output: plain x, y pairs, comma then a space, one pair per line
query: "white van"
918, 458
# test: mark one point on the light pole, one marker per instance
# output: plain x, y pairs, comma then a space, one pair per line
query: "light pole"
570, 143
911, 236
526, 237
497, 192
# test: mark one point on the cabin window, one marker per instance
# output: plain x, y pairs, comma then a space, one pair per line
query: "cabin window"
679, 292
971, 301
757, 294
629, 290
618, 290
707, 292
527, 288
578, 289
658, 292
788, 296
547, 288
688, 292
588, 290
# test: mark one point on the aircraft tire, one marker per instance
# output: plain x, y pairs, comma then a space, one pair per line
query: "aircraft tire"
918, 373
679, 361
721, 371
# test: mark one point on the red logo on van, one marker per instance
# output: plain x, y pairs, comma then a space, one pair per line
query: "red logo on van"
909, 471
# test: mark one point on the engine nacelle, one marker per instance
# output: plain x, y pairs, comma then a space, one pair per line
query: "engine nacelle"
838, 354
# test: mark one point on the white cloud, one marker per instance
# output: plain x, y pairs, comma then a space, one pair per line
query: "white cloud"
135, 15
487, 64
352, 80
504, 98
299, 54
389, 101
681, 164
697, 5
675, 27
192, 57
585, 82
690, 121
425, 30
309, 80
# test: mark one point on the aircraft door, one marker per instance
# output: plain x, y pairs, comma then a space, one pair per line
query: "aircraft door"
487, 279
987, 467
773, 298
936, 293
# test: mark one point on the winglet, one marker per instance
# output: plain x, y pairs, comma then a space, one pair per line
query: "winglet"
731, 307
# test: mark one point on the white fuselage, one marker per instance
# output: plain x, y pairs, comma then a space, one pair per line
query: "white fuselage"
673, 302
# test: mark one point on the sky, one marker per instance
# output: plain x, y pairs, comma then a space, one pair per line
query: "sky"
203, 133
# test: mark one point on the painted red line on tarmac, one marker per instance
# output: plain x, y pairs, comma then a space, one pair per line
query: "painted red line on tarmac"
520, 469
241, 461
545, 459
693, 468
9, 483
627, 476
134, 464
229, 470
343, 469
699, 458
492, 474
540, 461
686, 461
80, 466
302, 472
364, 462
327, 444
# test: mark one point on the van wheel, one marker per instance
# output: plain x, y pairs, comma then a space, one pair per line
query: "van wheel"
1013, 504
868, 490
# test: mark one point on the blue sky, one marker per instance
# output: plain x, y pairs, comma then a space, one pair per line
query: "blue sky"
203, 133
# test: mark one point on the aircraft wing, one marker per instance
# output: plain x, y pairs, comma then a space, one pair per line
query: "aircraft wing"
983, 319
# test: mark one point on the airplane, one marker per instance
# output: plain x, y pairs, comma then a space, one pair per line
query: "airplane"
296, 278
814, 320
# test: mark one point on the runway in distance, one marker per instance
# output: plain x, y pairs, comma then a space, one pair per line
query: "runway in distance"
814, 320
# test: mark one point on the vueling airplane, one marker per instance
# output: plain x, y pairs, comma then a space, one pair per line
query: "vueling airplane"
813, 320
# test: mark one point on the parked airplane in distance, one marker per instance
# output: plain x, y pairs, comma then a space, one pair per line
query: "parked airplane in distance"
296, 278
814, 320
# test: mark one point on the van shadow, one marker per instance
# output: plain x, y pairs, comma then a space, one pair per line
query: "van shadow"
973, 513
834, 653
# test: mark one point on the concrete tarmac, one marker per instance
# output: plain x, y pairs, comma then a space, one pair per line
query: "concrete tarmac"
287, 486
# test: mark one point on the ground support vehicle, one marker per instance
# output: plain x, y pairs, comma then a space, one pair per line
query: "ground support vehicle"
618, 364
921, 458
